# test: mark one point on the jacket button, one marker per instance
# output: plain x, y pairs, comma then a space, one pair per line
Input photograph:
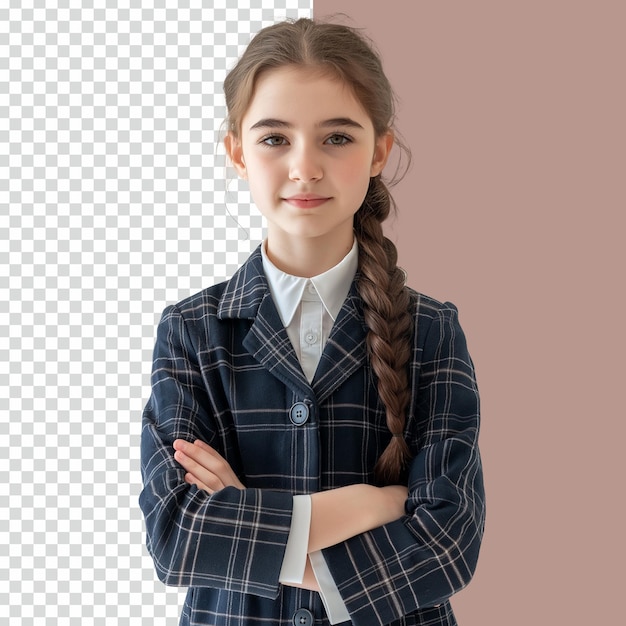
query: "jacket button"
303, 617
299, 413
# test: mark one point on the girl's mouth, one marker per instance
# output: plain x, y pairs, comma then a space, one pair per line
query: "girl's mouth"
306, 201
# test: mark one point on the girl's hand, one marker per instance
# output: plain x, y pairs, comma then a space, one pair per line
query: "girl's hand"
206, 468
338, 514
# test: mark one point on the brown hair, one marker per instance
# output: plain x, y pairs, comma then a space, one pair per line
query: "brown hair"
345, 54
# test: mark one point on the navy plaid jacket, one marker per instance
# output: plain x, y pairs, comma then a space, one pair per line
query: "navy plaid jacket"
225, 372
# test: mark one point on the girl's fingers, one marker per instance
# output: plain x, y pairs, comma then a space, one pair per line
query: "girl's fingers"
199, 455
206, 446
199, 450
204, 456
203, 476
206, 464
218, 463
193, 480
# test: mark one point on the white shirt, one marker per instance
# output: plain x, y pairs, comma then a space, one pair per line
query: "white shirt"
308, 308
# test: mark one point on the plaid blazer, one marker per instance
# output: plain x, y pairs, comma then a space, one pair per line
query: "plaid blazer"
225, 372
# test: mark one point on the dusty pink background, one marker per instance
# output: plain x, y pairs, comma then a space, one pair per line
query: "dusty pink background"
514, 210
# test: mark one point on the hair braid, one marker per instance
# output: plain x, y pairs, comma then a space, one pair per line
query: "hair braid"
386, 310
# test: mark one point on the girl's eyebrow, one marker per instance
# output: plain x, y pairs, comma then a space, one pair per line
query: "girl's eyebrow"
333, 122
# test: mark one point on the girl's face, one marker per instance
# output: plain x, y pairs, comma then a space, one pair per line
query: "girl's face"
308, 150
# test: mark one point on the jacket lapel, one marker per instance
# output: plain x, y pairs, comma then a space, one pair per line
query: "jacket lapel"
247, 296
345, 352
268, 342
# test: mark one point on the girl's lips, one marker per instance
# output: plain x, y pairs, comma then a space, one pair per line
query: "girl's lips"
306, 201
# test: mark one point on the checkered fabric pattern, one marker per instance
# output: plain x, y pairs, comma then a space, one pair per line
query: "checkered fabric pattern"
114, 202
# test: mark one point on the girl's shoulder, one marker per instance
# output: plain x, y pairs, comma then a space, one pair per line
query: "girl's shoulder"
424, 305
207, 300
234, 297
433, 320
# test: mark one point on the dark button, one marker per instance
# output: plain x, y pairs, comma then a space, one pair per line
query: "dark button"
303, 618
299, 413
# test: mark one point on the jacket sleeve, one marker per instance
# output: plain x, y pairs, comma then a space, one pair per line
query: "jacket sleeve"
233, 539
422, 559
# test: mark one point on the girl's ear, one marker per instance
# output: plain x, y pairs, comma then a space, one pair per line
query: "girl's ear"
382, 150
234, 151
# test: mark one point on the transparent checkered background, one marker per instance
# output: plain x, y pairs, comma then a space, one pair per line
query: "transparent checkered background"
114, 202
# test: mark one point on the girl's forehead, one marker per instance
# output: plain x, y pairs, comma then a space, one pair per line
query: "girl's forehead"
297, 72
302, 93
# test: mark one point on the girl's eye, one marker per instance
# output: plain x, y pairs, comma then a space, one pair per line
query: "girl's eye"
338, 139
274, 140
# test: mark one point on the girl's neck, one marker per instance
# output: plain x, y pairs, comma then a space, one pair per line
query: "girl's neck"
306, 257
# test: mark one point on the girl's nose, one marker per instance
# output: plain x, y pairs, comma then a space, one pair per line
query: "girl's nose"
305, 165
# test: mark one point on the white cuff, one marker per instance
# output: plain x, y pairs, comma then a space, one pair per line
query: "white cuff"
294, 561
333, 602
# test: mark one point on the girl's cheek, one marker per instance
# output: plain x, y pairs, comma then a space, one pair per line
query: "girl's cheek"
266, 160
354, 174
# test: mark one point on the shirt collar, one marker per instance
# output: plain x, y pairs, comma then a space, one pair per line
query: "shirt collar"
332, 286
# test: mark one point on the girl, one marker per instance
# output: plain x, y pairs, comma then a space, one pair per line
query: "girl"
309, 450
